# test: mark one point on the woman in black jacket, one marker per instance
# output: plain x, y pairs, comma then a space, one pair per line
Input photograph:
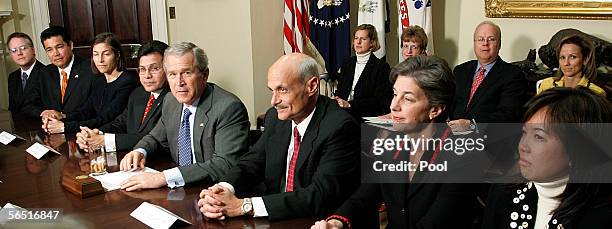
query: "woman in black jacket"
565, 169
363, 84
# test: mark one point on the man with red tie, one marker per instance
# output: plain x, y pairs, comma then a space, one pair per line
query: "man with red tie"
143, 109
489, 90
307, 160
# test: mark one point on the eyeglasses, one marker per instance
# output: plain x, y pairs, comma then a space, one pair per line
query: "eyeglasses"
410, 47
22, 48
483, 40
153, 69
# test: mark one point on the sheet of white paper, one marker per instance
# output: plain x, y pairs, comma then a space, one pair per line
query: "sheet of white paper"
2, 213
378, 120
155, 216
6, 138
112, 181
37, 150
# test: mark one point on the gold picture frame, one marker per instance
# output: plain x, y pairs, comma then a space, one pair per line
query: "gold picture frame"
564, 9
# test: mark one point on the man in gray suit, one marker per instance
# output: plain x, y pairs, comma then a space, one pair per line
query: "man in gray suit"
204, 127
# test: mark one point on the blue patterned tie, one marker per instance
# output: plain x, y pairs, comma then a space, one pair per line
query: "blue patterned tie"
184, 140
24, 80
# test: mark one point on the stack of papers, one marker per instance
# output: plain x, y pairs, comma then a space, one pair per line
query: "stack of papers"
113, 181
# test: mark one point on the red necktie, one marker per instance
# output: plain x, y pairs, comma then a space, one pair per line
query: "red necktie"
294, 156
147, 108
477, 81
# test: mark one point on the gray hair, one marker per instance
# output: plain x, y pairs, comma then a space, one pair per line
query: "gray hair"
497, 28
182, 48
308, 68
433, 75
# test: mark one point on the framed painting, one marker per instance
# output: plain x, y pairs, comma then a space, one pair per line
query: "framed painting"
565, 9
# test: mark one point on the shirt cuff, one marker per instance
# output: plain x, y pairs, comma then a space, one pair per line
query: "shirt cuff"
259, 207
141, 150
109, 143
174, 178
229, 186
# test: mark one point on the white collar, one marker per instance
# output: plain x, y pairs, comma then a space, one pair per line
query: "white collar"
363, 58
68, 68
29, 70
302, 126
551, 189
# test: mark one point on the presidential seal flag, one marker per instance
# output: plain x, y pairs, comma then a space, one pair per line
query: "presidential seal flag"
416, 12
374, 12
330, 32
296, 26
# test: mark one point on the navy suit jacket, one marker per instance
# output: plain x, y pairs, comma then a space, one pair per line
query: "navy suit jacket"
18, 94
498, 99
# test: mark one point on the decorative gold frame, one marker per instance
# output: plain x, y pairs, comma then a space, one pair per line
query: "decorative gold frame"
566, 9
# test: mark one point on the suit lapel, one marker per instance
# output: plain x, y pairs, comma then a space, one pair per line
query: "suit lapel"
491, 77
156, 107
200, 122
312, 131
54, 85
279, 145
73, 79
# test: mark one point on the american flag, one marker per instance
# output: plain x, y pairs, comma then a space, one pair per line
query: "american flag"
296, 26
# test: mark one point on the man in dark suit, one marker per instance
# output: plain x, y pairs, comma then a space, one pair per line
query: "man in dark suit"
307, 158
204, 127
68, 81
143, 109
21, 81
489, 90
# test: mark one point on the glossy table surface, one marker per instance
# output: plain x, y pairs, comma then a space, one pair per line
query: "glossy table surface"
31, 183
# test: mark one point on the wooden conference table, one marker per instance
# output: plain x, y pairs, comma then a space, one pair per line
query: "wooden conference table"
32, 183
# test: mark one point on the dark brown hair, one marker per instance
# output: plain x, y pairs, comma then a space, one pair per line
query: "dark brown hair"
589, 68
111, 40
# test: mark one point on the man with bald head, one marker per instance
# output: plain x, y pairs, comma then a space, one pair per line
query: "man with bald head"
307, 158
489, 90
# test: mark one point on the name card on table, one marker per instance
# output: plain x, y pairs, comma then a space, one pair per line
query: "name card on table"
39, 150
156, 217
6, 138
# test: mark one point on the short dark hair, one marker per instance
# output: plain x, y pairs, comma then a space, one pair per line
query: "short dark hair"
55, 31
433, 75
150, 47
111, 40
19, 35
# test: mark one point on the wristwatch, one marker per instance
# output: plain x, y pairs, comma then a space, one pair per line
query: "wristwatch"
247, 206
473, 125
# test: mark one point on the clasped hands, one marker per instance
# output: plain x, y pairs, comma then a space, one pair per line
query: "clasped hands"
89, 139
342, 103
218, 202
51, 121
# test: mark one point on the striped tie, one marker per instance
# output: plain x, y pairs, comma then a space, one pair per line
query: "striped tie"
184, 140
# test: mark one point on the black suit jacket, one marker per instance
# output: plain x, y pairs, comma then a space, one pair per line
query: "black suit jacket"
327, 169
500, 204
373, 91
18, 94
47, 93
422, 203
127, 127
498, 99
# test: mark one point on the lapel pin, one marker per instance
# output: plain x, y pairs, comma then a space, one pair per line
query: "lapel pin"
76, 76
201, 124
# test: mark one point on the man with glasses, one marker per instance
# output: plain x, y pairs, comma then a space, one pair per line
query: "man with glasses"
143, 109
489, 90
21, 81
203, 127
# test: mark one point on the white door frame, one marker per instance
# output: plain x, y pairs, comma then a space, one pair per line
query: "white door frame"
39, 10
